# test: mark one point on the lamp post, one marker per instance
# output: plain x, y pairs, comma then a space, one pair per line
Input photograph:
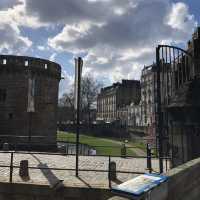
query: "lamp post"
77, 92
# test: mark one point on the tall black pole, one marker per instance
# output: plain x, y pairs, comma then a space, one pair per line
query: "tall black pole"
159, 112
78, 91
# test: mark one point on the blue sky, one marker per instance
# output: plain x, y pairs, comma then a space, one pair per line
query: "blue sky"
116, 38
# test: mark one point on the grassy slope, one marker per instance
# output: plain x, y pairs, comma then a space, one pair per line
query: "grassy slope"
115, 148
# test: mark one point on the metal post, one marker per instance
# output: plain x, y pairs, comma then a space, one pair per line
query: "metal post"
67, 149
159, 113
149, 166
78, 111
29, 131
11, 167
109, 178
166, 165
182, 143
172, 144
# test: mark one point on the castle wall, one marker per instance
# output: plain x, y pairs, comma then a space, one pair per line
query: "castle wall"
15, 73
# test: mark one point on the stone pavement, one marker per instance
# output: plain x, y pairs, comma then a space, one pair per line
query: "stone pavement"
85, 180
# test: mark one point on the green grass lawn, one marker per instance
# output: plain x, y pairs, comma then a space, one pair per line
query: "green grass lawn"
103, 146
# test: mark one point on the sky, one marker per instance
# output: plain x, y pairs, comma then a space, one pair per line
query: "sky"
115, 38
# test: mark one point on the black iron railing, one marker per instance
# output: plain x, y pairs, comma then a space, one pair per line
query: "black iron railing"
12, 166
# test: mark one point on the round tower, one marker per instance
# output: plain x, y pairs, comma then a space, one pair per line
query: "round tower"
28, 101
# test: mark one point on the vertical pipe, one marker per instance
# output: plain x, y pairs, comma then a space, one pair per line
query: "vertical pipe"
159, 113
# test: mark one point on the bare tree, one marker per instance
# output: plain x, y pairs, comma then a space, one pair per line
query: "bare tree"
89, 91
66, 110
67, 99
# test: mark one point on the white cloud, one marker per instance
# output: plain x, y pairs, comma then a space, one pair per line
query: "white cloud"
116, 38
69, 35
12, 17
41, 48
127, 37
17, 15
179, 17
70, 12
11, 40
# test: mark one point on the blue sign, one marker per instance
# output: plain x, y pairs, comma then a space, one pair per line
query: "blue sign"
139, 185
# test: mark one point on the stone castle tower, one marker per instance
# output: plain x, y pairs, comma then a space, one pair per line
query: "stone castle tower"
28, 101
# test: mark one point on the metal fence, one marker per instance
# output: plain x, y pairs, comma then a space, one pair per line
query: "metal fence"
109, 169
122, 151
175, 68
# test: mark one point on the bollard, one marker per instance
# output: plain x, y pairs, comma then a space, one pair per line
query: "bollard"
11, 167
23, 170
112, 171
67, 148
149, 166
123, 151
5, 146
63, 149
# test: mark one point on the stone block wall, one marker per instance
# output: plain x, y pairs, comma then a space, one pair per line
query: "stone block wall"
41, 192
183, 183
15, 121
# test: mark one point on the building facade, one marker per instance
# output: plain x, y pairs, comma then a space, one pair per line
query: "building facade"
147, 94
28, 100
135, 115
113, 100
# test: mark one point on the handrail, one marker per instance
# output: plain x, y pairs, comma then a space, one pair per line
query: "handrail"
12, 166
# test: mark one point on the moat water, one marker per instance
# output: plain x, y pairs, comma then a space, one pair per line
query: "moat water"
70, 148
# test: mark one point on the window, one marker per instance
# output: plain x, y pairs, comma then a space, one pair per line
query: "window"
2, 95
38, 87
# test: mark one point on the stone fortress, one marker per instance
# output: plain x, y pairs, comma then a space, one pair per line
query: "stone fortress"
28, 101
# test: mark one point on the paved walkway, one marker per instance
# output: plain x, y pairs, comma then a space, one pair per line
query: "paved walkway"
86, 179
